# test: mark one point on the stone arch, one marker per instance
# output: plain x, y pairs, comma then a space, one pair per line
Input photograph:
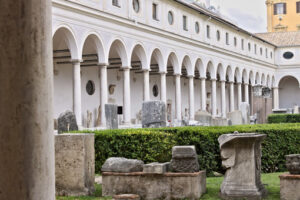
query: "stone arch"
199, 65
138, 52
251, 78
263, 79
289, 92
245, 76
237, 75
173, 61
117, 49
187, 64
220, 72
157, 58
273, 83
257, 79
210, 68
229, 74
268, 81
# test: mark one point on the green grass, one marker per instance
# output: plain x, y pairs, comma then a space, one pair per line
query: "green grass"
213, 184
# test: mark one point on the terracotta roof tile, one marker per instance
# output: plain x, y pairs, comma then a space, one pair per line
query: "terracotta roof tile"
281, 39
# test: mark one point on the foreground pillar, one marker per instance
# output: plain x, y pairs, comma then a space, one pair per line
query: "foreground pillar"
103, 93
214, 97
239, 91
276, 98
77, 91
223, 97
146, 85
246, 86
163, 85
126, 96
178, 97
26, 79
203, 94
231, 85
191, 97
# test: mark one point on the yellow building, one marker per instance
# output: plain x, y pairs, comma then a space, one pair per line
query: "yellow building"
283, 15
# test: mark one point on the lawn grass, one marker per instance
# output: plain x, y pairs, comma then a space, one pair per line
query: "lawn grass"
213, 184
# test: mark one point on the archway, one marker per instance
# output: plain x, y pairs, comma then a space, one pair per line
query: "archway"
289, 92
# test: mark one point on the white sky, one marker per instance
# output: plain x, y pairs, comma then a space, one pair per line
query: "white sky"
248, 14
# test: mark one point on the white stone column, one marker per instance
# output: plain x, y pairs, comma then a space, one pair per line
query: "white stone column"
178, 97
191, 97
26, 107
276, 97
146, 85
223, 99
103, 93
246, 86
77, 91
231, 85
214, 97
203, 93
126, 96
163, 86
239, 96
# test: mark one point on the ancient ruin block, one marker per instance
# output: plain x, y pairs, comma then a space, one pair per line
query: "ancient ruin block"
67, 122
184, 159
289, 186
111, 115
154, 114
122, 165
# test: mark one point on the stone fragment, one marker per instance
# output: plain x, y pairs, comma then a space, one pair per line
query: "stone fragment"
154, 114
67, 122
266, 92
184, 159
289, 186
156, 168
235, 117
245, 110
204, 118
126, 197
241, 157
122, 165
293, 163
257, 90
74, 164
89, 118
111, 114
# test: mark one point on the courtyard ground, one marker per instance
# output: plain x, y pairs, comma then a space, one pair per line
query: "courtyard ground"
271, 182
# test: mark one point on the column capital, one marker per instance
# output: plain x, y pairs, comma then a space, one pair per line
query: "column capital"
102, 64
231, 82
145, 70
239, 83
275, 88
190, 76
177, 74
246, 83
201, 78
74, 61
223, 81
213, 79
162, 72
126, 67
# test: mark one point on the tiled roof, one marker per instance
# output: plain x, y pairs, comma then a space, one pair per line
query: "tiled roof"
281, 39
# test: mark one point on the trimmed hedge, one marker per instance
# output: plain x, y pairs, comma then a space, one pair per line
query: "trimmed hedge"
154, 145
284, 118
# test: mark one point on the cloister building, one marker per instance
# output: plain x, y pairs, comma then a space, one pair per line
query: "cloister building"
127, 52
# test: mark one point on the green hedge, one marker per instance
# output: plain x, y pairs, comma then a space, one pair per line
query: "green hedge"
284, 118
154, 145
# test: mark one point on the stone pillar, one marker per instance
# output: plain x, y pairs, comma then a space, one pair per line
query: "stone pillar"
191, 97
231, 85
163, 86
103, 92
214, 97
246, 86
223, 97
239, 90
276, 98
203, 94
77, 91
178, 97
146, 85
26, 79
126, 96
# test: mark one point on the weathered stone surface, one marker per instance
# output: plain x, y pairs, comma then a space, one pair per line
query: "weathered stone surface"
204, 118
289, 187
184, 159
111, 115
241, 157
126, 197
245, 110
67, 122
257, 90
293, 163
219, 121
235, 117
74, 164
266, 92
154, 114
116, 164
155, 186
156, 168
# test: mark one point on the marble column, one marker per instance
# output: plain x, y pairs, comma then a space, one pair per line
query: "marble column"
191, 97
126, 96
276, 97
103, 93
77, 91
246, 86
26, 107
203, 93
146, 85
239, 96
223, 99
214, 97
178, 97
231, 85
163, 86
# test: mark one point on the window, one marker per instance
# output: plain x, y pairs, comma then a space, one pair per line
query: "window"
298, 7
279, 8
242, 44
255, 47
227, 38
271, 54
235, 41
288, 55
184, 22
170, 18
115, 3
249, 46
266, 53
218, 35
136, 5
207, 31
154, 11
90, 87
261, 51
197, 28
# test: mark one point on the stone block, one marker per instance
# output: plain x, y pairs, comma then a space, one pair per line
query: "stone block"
289, 186
154, 114
155, 186
204, 118
219, 121
266, 92
184, 159
122, 165
74, 164
245, 110
111, 115
293, 163
67, 122
296, 110
235, 117
257, 91
156, 168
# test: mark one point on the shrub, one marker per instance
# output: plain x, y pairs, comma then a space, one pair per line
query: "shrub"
283, 118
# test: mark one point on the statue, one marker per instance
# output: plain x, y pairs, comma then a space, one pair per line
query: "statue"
98, 123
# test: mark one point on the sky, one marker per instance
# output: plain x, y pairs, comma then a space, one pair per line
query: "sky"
250, 15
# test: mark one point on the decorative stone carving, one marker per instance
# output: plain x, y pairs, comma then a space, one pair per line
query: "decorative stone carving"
154, 114
293, 163
241, 157
98, 122
184, 159
67, 122
257, 90
122, 165
111, 114
156, 168
89, 118
266, 92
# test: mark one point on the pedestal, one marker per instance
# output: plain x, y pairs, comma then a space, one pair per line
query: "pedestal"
289, 186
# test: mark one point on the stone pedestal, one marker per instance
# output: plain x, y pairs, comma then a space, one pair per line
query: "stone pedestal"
74, 164
289, 186
245, 110
184, 159
111, 115
154, 114
204, 118
235, 117
241, 156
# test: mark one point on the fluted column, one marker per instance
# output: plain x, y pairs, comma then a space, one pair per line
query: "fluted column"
103, 92
276, 98
77, 91
126, 96
146, 85
191, 97
178, 97
239, 91
223, 99
246, 86
231, 85
214, 97
163, 86
203, 93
